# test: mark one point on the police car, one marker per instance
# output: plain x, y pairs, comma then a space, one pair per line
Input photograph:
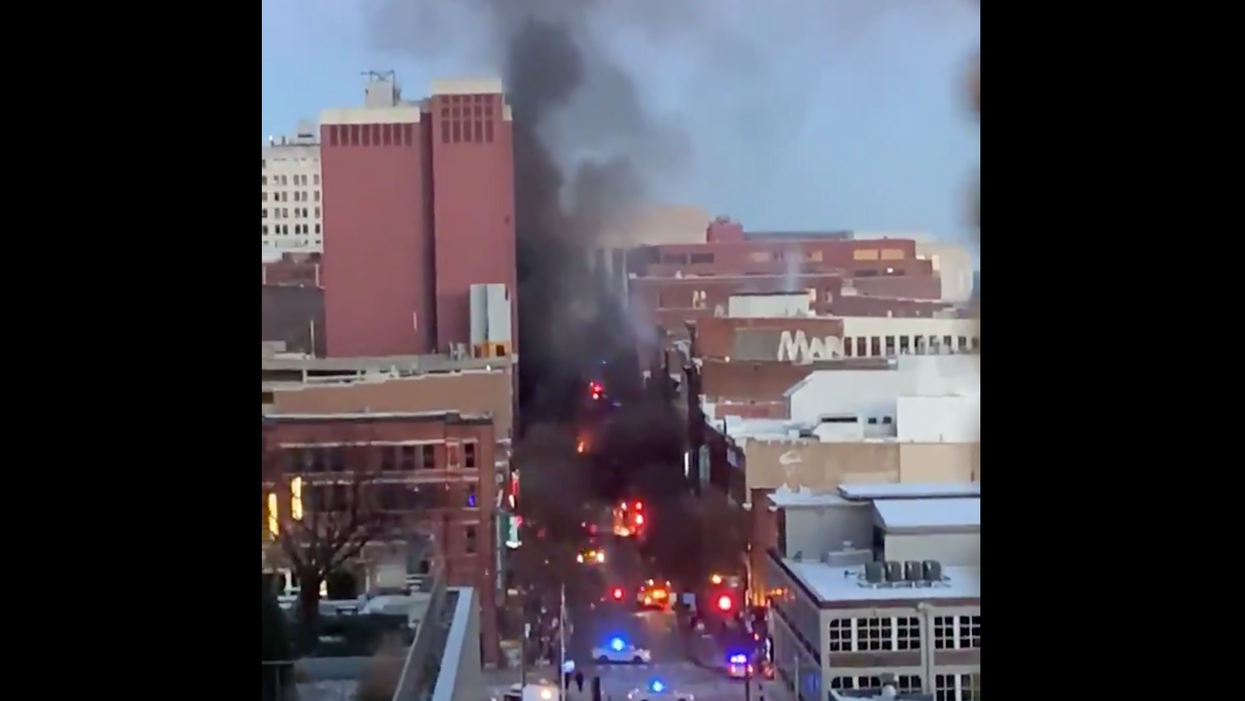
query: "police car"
738, 666
618, 650
658, 691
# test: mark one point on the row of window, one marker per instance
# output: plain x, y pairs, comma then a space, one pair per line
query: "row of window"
891, 254
285, 179
947, 687
462, 131
903, 682
957, 632
386, 496
388, 458
284, 212
902, 633
299, 196
370, 134
888, 346
284, 229
874, 634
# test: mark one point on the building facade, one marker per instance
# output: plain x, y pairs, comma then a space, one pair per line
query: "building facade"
431, 473
423, 193
291, 219
877, 582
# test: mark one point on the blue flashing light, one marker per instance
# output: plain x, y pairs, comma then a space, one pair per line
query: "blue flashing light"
657, 687
617, 645
739, 659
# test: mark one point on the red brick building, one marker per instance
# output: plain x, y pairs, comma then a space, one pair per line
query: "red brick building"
433, 472
418, 198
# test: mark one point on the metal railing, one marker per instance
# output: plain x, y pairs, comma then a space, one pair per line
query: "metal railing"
413, 683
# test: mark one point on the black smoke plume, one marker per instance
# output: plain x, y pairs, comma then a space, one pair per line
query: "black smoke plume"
587, 151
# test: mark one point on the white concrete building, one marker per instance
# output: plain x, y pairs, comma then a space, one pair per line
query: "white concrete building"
922, 397
290, 191
877, 582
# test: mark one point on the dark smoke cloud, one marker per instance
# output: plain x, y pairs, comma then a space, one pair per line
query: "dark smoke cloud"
588, 150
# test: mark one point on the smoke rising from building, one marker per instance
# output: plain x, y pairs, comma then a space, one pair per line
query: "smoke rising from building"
588, 151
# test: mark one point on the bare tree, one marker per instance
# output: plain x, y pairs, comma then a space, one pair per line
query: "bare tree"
328, 510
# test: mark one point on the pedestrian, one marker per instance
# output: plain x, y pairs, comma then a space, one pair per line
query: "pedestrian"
579, 681
596, 688
567, 680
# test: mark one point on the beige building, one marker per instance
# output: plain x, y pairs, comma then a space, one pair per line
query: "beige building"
823, 466
290, 193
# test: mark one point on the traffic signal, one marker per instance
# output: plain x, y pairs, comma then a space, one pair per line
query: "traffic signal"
725, 603
617, 594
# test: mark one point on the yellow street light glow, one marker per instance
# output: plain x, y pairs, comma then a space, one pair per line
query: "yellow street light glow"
274, 523
296, 498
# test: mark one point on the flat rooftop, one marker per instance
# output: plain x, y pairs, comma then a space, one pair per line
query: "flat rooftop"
928, 514
786, 498
912, 490
846, 584
408, 363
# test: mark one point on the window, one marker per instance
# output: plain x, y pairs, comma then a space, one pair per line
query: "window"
873, 421
873, 634
408, 455
888, 419
848, 347
471, 543
337, 459
957, 687
957, 632
760, 257
862, 346
905, 345
315, 180
865, 254
472, 497
890, 346
388, 458
469, 455
893, 254
875, 346
970, 632
867, 272
908, 682
701, 258
428, 456
919, 346
699, 299
856, 683
947, 347
962, 343
974, 344
840, 635
907, 631
817, 257
935, 346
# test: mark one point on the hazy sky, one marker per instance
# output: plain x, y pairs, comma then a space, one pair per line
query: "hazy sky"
854, 119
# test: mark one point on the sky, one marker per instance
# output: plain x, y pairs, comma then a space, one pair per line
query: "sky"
854, 117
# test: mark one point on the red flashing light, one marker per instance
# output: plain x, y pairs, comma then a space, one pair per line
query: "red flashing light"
639, 520
617, 594
725, 603
639, 506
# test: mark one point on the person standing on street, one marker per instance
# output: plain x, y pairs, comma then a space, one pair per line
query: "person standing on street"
579, 681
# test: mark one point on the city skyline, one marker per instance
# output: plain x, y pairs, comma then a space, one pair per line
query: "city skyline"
902, 158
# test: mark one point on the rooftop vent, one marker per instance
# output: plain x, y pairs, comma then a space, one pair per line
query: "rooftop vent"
875, 574
902, 575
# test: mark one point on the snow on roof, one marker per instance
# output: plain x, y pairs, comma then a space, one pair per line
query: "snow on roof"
844, 584
784, 498
929, 513
910, 490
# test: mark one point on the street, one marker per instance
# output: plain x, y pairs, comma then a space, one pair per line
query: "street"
656, 631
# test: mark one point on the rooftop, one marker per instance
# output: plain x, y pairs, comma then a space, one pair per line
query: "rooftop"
910, 490
784, 498
395, 363
921, 514
447, 416
846, 584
